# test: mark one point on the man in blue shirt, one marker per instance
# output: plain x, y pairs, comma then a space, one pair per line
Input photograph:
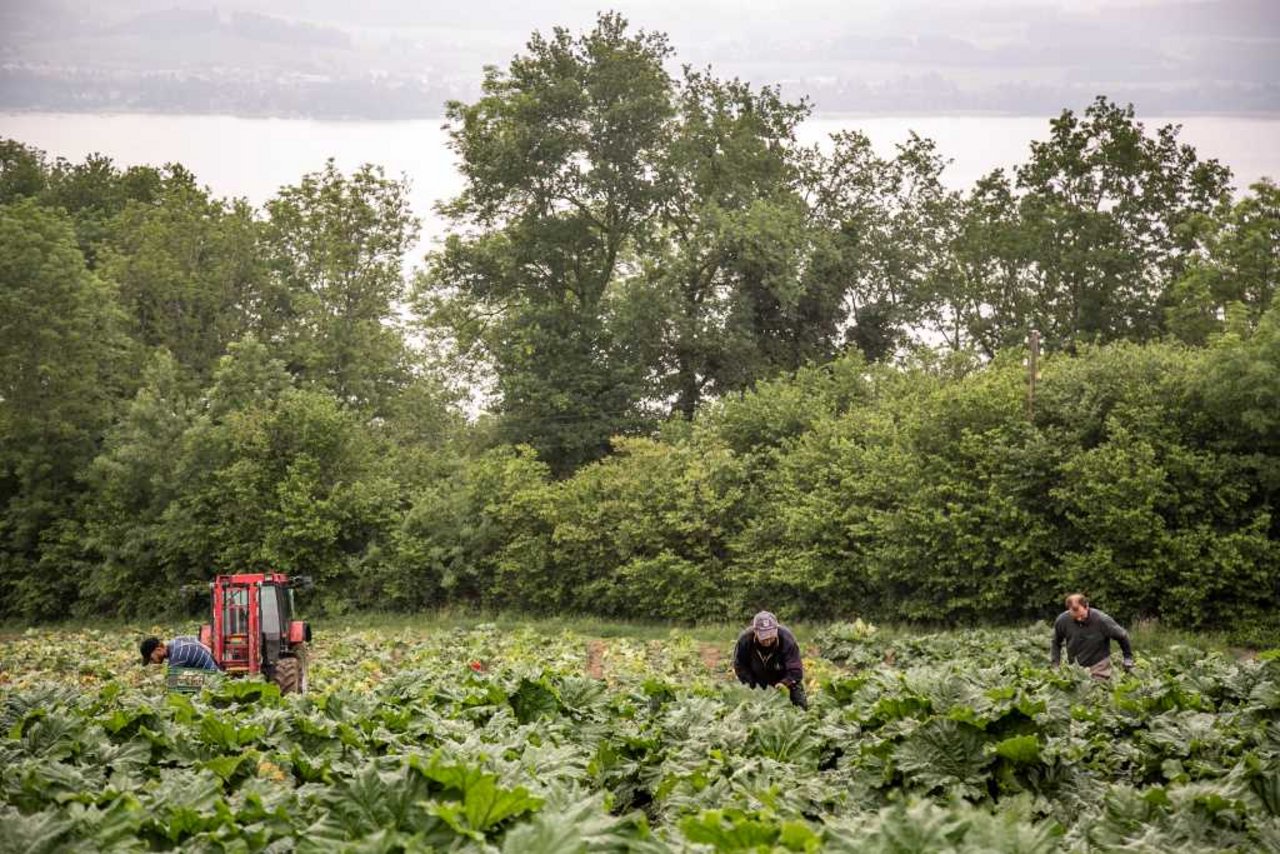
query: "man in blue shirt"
179, 652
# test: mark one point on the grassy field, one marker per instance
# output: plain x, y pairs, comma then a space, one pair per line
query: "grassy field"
455, 731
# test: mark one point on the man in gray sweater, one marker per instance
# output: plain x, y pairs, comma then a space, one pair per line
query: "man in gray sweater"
1088, 633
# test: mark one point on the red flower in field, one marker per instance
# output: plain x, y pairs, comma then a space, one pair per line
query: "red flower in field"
477, 666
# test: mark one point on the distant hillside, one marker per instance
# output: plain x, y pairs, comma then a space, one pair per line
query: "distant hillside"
402, 59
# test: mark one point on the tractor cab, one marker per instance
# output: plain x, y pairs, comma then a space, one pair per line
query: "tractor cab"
253, 629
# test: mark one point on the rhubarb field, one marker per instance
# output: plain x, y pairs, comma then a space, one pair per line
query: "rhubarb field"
489, 739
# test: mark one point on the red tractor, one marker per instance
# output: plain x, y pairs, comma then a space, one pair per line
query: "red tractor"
253, 629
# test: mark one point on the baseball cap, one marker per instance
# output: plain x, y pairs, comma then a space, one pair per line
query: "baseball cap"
765, 625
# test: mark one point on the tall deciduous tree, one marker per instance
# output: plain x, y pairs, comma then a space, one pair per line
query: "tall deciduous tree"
1237, 268
1104, 205
188, 271
275, 475
725, 294
335, 246
1087, 241
62, 354
626, 243
133, 560
559, 158
884, 230
993, 286
22, 171
95, 191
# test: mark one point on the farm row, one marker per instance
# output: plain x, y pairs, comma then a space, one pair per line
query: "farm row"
499, 740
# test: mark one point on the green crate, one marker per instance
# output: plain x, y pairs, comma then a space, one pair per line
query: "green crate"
188, 680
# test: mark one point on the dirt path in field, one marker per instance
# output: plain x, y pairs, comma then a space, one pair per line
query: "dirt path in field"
710, 655
595, 659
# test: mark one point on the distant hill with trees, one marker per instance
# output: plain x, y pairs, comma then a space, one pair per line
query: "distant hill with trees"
396, 59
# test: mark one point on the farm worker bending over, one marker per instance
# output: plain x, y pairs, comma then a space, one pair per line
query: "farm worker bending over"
1088, 633
767, 654
179, 652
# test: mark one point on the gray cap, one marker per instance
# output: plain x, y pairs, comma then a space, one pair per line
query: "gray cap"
765, 625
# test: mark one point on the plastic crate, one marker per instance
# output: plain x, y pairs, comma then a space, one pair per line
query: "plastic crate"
188, 680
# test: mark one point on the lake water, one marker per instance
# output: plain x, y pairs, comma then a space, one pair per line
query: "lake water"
254, 157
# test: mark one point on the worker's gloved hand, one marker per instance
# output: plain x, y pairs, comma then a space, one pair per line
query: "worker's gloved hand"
1128, 664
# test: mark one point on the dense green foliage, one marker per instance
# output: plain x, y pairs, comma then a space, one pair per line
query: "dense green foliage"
901, 493
528, 741
728, 371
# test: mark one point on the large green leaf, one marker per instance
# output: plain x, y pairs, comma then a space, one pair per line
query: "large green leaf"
36, 833
1020, 749
227, 767
484, 805
787, 739
534, 699
901, 829
223, 733
944, 754
580, 825
730, 830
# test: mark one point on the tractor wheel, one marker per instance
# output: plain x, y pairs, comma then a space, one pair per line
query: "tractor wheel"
291, 675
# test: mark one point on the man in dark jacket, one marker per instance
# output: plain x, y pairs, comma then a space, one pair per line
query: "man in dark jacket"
1087, 633
767, 654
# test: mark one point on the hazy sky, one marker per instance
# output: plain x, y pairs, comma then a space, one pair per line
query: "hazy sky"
1019, 56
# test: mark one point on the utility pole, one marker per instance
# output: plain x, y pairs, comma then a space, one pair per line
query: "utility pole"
1033, 372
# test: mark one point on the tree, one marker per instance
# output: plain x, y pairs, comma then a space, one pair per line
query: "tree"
23, 172
127, 537
274, 475
1241, 390
883, 239
95, 191
558, 157
626, 244
724, 301
992, 290
188, 271
1105, 206
62, 361
1237, 268
335, 247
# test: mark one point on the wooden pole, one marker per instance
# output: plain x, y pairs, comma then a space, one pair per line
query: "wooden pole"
1033, 372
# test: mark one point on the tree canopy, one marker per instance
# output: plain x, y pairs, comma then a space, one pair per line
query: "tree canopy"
726, 371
